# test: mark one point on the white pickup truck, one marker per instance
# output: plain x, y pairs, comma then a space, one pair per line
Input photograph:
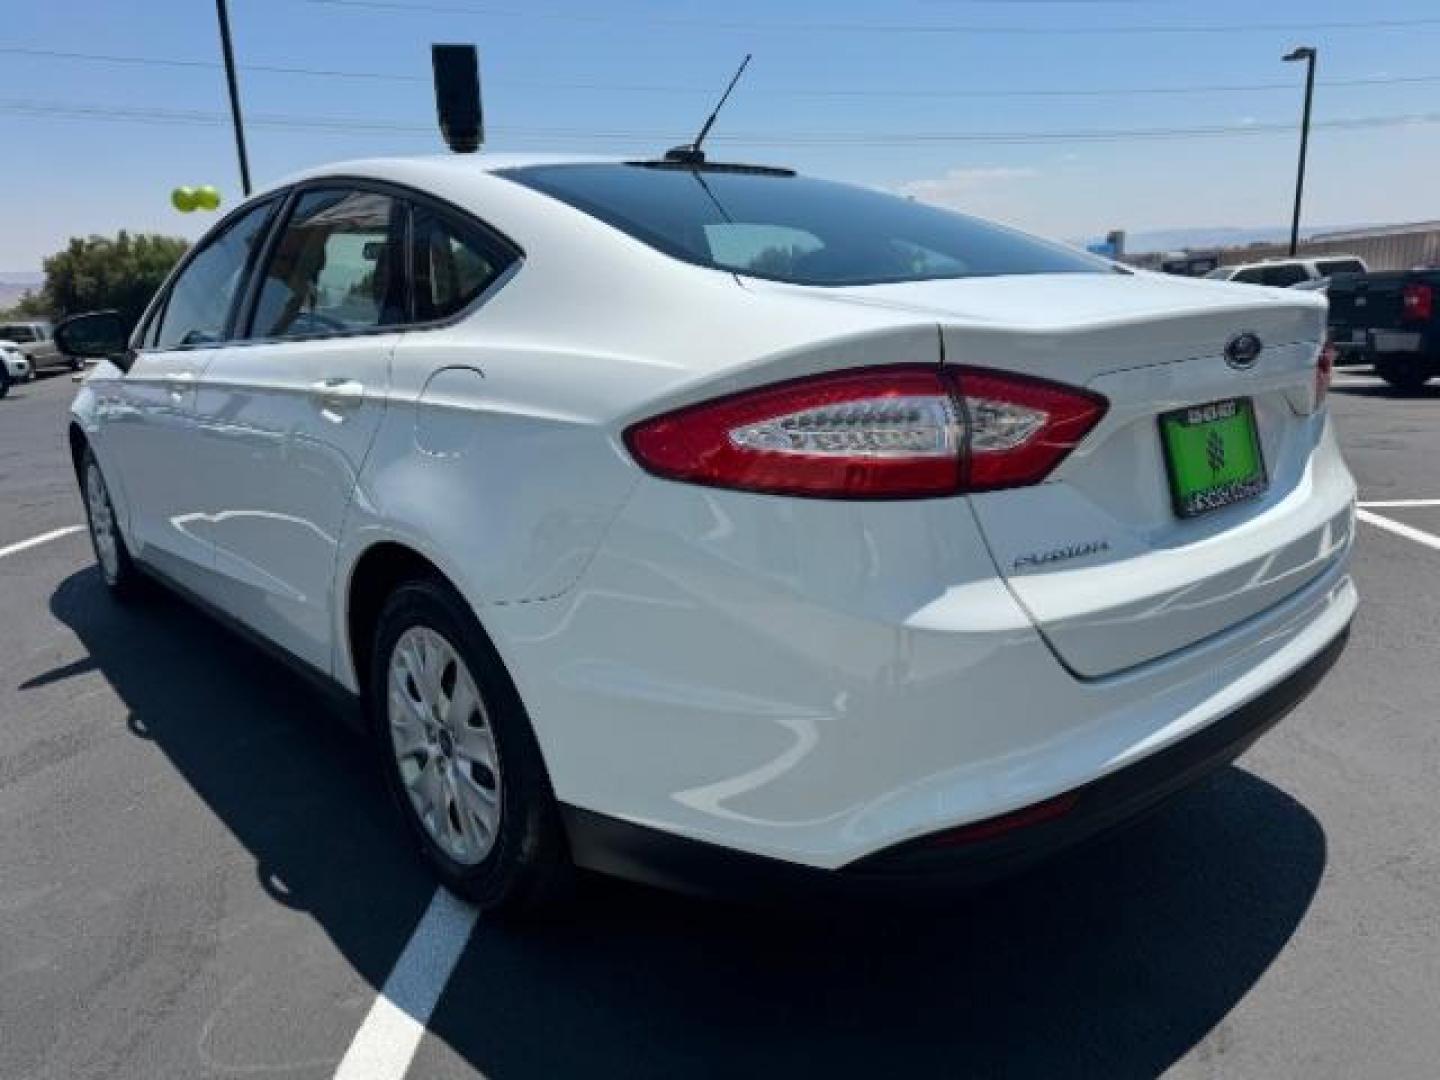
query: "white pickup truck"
37, 341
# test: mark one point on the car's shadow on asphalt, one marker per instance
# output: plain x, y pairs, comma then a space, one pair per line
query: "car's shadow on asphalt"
1112, 961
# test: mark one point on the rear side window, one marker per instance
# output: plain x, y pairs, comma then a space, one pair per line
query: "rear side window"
1283, 276
336, 267
198, 306
771, 224
1279, 276
17, 332
1329, 267
454, 262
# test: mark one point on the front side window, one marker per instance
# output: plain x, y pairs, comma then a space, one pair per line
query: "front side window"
198, 307
454, 263
773, 224
336, 267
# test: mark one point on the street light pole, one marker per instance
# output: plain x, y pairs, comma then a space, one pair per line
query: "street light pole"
224, 15
1308, 54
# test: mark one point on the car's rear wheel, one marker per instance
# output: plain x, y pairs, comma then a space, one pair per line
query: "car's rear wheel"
1403, 373
459, 754
116, 567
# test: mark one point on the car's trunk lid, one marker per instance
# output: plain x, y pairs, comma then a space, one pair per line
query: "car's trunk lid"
1097, 554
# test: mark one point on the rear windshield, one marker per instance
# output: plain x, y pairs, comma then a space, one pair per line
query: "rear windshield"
792, 228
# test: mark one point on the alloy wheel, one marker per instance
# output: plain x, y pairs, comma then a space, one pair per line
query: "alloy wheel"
102, 524
444, 746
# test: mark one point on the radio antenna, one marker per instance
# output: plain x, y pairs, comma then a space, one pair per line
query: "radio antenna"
693, 154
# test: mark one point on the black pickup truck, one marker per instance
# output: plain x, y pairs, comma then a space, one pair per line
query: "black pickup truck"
1391, 320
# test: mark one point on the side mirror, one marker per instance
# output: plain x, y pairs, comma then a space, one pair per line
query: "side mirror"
95, 335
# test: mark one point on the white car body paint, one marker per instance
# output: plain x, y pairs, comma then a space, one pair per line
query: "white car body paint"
17, 364
808, 679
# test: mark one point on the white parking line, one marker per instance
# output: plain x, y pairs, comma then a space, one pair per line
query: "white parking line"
43, 538
390, 1034
1382, 504
1399, 528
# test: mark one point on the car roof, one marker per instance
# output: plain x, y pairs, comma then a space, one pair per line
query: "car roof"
445, 166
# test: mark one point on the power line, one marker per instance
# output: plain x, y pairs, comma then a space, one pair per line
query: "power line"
1047, 92
184, 117
392, 7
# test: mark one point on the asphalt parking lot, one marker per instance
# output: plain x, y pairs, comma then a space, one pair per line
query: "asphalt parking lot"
200, 876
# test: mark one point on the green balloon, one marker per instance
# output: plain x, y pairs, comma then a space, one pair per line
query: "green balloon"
207, 198
184, 199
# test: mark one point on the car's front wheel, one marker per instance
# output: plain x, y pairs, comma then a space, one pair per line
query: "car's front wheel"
116, 567
459, 753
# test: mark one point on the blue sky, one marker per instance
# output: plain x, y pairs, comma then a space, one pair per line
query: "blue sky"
848, 89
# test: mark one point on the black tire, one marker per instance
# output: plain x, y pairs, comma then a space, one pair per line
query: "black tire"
1402, 372
124, 581
76, 363
4, 380
528, 868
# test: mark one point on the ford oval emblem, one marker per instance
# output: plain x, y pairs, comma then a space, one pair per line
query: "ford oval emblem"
1242, 350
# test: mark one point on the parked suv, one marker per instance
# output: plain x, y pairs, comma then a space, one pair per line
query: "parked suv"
726, 528
37, 341
1286, 273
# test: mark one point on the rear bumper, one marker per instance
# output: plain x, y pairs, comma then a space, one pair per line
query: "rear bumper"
946, 861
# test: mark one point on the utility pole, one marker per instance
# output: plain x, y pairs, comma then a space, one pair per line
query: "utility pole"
1308, 54
224, 15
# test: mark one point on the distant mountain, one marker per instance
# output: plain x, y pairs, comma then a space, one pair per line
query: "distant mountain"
11, 293
1217, 236
16, 283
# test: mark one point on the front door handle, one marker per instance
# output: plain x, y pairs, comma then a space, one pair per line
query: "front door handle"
179, 384
336, 394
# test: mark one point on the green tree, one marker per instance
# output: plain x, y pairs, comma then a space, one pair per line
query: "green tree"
99, 272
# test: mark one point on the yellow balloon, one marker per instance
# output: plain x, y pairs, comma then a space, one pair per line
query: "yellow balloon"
207, 198
184, 199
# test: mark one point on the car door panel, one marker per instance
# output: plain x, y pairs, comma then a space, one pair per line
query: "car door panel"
149, 422
149, 412
287, 418
284, 430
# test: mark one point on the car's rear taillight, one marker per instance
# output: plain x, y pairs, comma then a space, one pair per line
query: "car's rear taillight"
1418, 302
1324, 370
894, 432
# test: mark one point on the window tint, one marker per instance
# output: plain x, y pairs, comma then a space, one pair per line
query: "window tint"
17, 332
198, 306
333, 267
791, 228
1283, 275
454, 263
1339, 266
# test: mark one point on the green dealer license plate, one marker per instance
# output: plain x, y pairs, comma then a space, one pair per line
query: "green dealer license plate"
1213, 455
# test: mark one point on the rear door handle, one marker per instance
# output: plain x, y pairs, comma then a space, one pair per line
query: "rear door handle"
339, 393
179, 383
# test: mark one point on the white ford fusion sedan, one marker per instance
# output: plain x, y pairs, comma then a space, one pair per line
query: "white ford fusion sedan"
723, 528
